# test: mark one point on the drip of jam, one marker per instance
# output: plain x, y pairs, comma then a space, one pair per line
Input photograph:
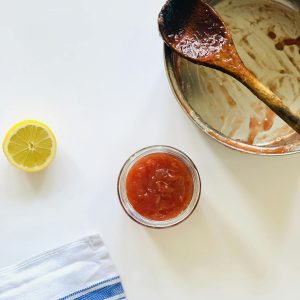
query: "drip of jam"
257, 126
288, 42
159, 186
285, 42
272, 35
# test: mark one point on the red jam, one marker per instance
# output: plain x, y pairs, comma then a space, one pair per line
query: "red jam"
159, 186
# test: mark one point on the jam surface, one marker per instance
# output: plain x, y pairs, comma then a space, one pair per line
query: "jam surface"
159, 186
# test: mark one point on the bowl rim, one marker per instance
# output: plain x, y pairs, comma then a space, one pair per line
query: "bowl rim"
206, 128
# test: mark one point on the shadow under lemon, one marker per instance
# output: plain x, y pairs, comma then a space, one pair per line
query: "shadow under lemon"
20, 185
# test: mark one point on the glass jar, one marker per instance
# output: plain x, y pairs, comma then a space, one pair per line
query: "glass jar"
132, 213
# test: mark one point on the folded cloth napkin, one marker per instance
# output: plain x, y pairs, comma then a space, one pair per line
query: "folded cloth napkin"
80, 270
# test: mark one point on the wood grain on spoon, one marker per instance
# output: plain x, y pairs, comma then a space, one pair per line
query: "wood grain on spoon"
195, 31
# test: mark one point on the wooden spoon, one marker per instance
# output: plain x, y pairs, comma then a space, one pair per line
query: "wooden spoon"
195, 31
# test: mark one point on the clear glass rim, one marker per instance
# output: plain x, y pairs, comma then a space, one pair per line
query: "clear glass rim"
132, 213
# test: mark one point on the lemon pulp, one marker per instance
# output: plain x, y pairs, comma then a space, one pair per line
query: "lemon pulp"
30, 146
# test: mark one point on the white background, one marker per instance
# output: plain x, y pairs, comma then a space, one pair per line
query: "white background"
93, 71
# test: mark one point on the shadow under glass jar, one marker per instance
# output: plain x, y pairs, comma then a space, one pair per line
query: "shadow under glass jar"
128, 207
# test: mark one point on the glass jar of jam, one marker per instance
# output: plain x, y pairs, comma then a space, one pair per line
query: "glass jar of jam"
159, 186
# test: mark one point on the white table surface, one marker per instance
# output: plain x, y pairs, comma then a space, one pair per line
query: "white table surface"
93, 71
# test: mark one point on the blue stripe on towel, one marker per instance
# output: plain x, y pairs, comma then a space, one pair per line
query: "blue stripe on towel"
106, 291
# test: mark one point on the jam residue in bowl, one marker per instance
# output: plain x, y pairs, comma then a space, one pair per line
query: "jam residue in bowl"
159, 186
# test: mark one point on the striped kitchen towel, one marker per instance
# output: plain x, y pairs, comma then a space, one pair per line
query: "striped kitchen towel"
80, 270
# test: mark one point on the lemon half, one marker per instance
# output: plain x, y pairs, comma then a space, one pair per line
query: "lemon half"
30, 146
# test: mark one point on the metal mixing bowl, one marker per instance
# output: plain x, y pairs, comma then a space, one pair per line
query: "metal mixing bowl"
221, 106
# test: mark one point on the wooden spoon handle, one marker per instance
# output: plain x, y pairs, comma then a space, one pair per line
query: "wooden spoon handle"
268, 97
